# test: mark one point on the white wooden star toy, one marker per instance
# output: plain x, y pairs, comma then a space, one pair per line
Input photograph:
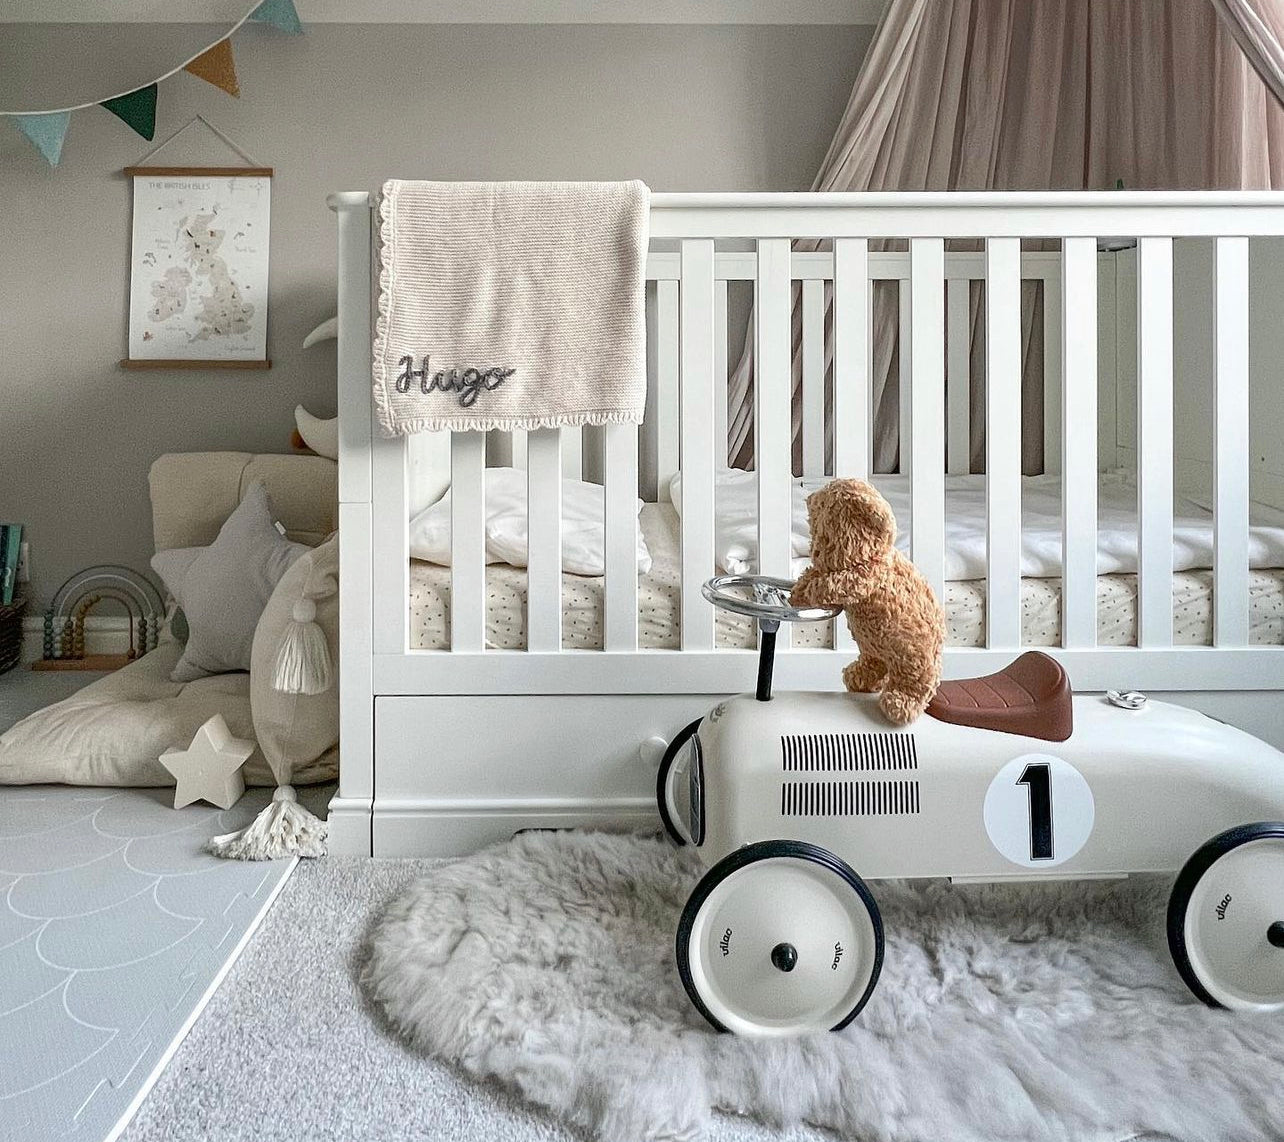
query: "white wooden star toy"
210, 768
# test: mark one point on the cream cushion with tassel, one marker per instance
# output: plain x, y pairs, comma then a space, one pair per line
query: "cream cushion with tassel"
296, 646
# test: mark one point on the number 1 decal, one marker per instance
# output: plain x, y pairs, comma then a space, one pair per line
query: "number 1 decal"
1038, 810
1037, 776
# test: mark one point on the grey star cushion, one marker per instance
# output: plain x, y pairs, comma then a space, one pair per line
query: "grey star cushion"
223, 588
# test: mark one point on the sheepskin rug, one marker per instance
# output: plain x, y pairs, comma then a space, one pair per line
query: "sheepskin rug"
1046, 1012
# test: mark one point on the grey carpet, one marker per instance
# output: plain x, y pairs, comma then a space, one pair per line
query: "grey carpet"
1003, 1013
287, 1051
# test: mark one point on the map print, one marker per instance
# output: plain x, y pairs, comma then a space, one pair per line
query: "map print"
200, 268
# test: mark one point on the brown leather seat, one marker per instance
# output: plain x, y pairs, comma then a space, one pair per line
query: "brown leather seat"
1030, 696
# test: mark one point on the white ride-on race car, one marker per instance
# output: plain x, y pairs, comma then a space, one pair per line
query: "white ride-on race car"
795, 800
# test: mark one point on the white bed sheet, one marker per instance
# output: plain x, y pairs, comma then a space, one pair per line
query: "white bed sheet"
736, 525
964, 602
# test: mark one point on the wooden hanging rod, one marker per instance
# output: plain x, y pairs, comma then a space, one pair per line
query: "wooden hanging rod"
196, 172
158, 363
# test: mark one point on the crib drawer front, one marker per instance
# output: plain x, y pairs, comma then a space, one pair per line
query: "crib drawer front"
516, 748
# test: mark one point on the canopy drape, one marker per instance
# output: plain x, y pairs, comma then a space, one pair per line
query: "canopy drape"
1072, 95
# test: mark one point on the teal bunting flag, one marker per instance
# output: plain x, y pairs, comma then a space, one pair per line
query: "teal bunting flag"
138, 109
280, 14
46, 132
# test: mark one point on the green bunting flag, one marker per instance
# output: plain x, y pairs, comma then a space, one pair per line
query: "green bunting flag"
46, 131
280, 14
138, 109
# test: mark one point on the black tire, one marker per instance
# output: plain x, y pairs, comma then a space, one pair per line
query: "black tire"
750, 854
662, 780
1204, 858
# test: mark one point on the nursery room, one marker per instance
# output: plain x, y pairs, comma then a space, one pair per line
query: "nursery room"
640, 571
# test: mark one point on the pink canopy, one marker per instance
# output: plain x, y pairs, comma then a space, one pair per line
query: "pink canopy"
1071, 95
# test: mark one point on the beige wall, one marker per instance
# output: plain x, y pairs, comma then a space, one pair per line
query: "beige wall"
683, 107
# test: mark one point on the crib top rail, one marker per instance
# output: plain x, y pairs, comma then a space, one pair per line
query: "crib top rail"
954, 214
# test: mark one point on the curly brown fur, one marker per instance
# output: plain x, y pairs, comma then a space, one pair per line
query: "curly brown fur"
891, 610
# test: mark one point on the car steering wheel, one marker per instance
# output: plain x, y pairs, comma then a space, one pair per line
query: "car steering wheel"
762, 597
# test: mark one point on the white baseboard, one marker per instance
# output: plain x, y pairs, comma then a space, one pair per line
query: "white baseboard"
348, 832
104, 634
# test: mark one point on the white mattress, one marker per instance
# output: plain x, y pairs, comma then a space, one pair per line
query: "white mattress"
659, 593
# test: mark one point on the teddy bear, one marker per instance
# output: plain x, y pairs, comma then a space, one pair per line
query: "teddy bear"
891, 610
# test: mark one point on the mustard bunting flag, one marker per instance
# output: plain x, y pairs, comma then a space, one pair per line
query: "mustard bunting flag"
138, 109
216, 66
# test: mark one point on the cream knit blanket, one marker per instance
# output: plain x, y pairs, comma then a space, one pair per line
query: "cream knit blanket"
511, 305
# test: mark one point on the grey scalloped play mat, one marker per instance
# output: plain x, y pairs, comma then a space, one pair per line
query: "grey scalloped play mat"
1048, 1012
115, 928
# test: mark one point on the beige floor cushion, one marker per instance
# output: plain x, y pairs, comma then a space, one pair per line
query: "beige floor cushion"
114, 730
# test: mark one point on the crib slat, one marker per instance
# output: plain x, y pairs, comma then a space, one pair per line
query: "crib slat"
905, 326
1052, 380
390, 460
1155, 441
852, 397
721, 443
573, 453
621, 460
958, 375
772, 431
519, 448
1079, 442
813, 377
697, 441
544, 530
666, 380
1230, 447
927, 409
1003, 442
467, 541
853, 393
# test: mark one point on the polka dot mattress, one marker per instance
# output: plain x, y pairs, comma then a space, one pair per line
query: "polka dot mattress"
659, 595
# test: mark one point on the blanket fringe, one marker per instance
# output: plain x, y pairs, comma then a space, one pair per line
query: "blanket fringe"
283, 829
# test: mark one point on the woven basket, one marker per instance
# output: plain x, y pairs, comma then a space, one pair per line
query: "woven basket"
11, 633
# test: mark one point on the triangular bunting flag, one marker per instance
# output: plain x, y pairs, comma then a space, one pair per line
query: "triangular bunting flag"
138, 109
46, 131
217, 67
278, 13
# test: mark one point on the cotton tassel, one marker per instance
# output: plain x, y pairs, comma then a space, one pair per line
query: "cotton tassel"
283, 829
303, 662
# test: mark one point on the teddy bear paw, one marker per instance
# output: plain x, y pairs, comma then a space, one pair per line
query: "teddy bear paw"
861, 677
900, 707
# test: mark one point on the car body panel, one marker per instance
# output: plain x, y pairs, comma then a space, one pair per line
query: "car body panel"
1128, 791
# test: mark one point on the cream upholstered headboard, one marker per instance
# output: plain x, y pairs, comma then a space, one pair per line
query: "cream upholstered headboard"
194, 492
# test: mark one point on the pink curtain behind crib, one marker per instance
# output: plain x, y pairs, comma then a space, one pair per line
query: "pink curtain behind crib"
1054, 95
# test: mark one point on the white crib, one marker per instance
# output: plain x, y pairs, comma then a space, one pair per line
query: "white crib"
444, 750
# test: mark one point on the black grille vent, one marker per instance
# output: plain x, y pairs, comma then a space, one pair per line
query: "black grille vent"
850, 753
848, 798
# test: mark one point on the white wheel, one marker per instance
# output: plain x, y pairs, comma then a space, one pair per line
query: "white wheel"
780, 938
1226, 919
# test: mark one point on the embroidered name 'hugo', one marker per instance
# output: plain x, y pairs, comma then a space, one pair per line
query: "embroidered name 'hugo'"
468, 383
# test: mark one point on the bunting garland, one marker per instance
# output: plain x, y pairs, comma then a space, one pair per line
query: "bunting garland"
215, 65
